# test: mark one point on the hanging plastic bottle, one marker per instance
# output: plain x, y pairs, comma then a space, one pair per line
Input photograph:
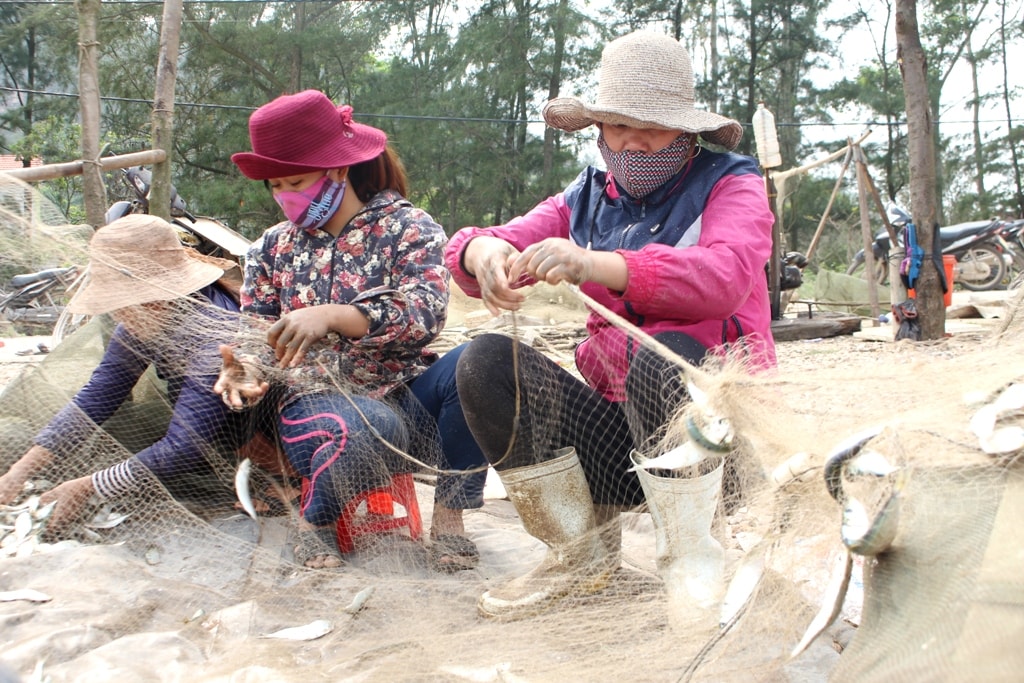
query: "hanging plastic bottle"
765, 137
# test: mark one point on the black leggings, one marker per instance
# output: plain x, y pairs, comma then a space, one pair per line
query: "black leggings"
555, 409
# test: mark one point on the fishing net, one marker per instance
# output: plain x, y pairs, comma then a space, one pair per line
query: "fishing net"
174, 582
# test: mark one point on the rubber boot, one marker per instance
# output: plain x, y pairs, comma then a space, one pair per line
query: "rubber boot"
690, 561
553, 501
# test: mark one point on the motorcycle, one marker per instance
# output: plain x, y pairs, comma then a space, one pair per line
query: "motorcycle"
1012, 232
206, 235
37, 298
983, 257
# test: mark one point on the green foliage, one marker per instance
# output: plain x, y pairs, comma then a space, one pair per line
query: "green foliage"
459, 91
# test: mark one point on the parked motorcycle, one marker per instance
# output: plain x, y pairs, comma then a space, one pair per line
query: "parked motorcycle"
1012, 232
982, 255
206, 235
37, 298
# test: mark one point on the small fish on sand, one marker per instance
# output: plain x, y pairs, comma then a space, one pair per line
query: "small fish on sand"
310, 631
27, 594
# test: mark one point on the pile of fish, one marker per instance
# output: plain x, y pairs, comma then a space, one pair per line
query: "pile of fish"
22, 525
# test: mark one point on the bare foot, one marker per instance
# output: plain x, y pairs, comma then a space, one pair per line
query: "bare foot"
317, 547
450, 550
446, 521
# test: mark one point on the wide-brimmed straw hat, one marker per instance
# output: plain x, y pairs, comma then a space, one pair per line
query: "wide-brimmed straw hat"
306, 132
138, 259
645, 81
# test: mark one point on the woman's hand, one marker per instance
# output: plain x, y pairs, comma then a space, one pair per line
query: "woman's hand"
13, 482
71, 497
554, 260
489, 260
239, 385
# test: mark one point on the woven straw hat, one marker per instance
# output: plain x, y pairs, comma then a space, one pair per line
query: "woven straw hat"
645, 81
305, 132
138, 259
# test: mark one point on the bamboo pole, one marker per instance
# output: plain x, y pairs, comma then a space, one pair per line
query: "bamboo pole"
865, 228
828, 207
70, 168
94, 193
163, 107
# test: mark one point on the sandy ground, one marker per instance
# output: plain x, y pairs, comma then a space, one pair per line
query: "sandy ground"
504, 546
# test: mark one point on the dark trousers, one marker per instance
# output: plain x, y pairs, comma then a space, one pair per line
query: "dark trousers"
521, 406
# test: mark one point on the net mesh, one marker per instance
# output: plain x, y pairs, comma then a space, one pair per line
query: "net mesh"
174, 582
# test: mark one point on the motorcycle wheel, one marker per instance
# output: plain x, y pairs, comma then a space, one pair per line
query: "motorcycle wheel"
66, 325
856, 268
990, 257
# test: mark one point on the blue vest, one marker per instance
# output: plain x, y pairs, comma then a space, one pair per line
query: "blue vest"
669, 215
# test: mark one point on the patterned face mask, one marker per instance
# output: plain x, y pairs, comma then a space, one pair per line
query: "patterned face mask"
640, 173
314, 206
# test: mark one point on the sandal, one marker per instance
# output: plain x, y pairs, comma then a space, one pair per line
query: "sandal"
318, 544
452, 553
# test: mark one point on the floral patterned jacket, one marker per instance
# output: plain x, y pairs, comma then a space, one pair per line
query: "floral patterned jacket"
387, 262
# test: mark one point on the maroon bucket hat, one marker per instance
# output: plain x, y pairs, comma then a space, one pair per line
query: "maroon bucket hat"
306, 132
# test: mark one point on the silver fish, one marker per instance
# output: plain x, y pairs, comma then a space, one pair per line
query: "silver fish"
686, 455
109, 522
743, 584
23, 525
359, 600
242, 487
831, 604
26, 594
311, 631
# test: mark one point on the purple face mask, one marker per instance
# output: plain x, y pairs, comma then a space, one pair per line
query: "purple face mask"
314, 206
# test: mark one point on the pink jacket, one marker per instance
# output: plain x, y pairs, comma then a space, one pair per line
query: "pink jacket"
705, 278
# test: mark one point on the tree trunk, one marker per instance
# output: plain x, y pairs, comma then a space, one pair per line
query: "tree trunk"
554, 87
1007, 99
163, 108
920, 143
93, 192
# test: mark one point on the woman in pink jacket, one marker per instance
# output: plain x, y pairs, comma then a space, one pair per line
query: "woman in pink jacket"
674, 238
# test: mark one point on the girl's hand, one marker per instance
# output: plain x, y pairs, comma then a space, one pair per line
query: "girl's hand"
293, 334
239, 385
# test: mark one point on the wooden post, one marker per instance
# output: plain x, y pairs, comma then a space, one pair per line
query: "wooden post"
774, 265
865, 229
163, 107
93, 191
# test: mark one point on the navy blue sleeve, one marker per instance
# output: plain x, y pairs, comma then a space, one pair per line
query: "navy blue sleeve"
201, 424
108, 387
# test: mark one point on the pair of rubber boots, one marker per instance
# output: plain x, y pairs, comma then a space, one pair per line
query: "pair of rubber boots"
584, 541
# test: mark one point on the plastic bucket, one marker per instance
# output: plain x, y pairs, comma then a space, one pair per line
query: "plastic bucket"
949, 265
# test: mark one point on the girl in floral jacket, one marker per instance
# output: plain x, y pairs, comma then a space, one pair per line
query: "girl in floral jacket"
355, 287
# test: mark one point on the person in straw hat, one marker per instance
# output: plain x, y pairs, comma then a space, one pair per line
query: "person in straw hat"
173, 314
671, 236
354, 283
